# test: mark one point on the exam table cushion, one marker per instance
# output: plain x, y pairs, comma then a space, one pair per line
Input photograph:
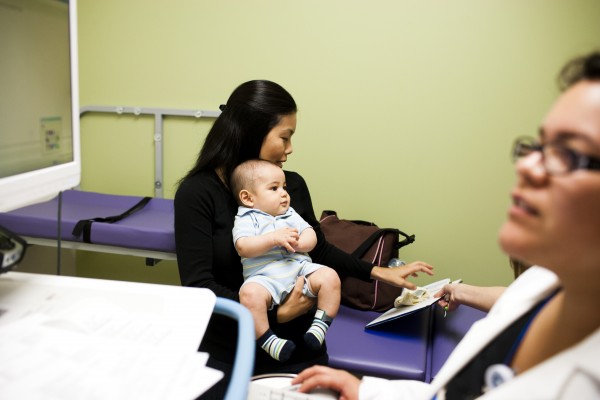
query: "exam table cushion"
150, 228
397, 349
447, 332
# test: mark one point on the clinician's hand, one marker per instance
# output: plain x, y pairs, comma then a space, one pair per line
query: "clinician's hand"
397, 275
295, 304
328, 378
479, 297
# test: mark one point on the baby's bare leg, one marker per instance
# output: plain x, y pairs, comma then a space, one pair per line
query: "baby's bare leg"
257, 299
325, 283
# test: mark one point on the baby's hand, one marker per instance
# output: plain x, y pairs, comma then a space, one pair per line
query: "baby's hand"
287, 238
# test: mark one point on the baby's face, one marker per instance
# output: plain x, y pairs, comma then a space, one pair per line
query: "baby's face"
269, 192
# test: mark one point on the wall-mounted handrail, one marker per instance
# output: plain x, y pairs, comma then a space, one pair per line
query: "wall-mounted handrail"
159, 114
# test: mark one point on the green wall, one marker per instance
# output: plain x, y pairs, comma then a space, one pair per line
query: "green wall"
407, 109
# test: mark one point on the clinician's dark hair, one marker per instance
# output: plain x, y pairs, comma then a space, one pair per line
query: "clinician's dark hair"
252, 110
581, 68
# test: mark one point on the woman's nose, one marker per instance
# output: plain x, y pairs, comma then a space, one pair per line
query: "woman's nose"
531, 168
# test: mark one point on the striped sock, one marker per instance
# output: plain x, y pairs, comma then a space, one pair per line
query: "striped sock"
315, 336
279, 349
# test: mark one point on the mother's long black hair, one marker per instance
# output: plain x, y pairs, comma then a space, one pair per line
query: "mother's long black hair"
253, 109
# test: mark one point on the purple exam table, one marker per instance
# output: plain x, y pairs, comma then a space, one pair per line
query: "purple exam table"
447, 332
147, 233
396, 349
411, 347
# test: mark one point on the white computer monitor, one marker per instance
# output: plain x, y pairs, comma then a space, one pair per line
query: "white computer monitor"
39, 101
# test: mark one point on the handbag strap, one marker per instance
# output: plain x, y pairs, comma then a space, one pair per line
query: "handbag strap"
408, 239
366, 245
84, 226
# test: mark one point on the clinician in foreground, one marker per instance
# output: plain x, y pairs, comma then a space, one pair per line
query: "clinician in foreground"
541, 339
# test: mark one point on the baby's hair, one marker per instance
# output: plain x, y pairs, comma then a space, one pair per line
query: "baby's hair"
244, 175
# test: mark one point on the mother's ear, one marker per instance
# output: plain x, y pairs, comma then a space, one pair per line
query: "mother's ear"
246, 198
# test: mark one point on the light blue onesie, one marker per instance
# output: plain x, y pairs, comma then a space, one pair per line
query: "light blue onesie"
277, 269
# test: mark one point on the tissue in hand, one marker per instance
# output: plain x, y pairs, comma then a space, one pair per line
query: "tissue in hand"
411, 297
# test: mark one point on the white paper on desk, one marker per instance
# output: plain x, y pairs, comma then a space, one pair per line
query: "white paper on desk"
161, 315
41, 361
77, 338
395, 313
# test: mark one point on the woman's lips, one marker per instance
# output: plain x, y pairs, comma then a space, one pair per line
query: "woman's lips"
522, 206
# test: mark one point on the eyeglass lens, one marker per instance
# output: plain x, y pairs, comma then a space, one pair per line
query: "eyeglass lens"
556, 159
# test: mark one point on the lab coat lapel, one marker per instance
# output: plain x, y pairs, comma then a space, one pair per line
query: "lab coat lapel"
569, 375
534, 285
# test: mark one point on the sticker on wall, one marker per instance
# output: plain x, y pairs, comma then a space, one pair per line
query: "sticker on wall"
51, 131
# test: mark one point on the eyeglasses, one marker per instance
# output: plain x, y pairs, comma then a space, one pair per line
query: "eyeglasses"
557, 159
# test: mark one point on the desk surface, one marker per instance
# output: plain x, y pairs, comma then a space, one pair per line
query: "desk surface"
65, 335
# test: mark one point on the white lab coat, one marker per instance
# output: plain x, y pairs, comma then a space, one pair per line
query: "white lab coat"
571, 374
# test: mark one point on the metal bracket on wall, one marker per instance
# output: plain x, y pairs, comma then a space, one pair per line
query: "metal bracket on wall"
159, 115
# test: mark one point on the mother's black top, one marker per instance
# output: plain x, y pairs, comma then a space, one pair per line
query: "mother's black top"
204, 214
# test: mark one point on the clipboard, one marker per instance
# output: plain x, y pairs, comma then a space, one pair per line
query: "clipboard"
395, 313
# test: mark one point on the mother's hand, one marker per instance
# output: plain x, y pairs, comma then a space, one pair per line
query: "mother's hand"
397, 275
295, 304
